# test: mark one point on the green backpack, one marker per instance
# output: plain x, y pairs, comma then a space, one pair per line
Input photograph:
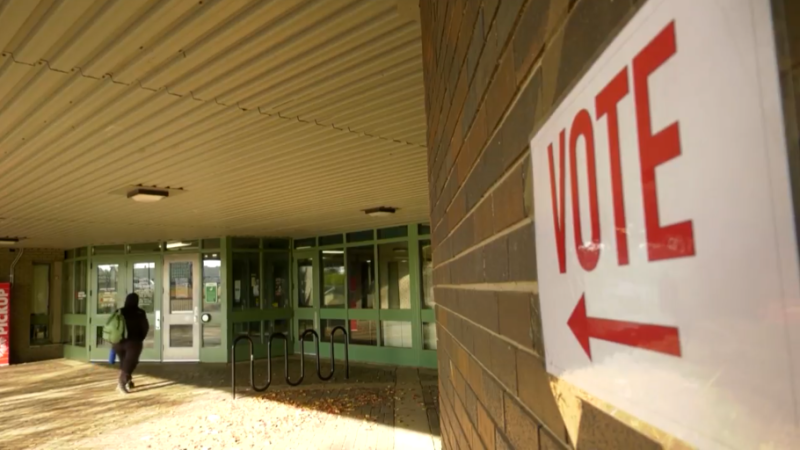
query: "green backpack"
114, 329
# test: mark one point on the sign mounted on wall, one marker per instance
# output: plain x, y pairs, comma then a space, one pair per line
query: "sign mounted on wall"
668, 273
5, 324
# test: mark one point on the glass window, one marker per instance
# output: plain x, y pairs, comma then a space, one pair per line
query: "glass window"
334, 239
361, 277
394, 232
423, 230
396, 334
275, 244
395, 280
240, 328
246, 281
152, 247
304, 325
68, 274
361, 236
333, 278
429, 336
144, 284
40, 309
212, 336
108, 250
280, 326
107, 288
426, 267
181, 286
246, 243
213, 244
364, 332
255, 331
327, 328
305, 283
212, 282
150, 339
305, 243
252, 329
98, 340
80, 335
69, 338
276, 277
181, 336
80, 290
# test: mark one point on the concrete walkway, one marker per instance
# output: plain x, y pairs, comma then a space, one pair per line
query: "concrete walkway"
66, 404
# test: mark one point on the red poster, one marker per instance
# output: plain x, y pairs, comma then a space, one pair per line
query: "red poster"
5, 323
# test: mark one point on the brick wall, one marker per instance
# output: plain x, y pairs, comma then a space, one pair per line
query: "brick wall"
786, 15
22, 299
494, 70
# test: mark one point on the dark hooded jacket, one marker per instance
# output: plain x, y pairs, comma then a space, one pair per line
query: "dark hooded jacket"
135, 319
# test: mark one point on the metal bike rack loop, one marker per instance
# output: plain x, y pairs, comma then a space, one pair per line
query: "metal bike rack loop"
286, 376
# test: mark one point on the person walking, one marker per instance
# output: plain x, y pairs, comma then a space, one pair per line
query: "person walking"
129, 349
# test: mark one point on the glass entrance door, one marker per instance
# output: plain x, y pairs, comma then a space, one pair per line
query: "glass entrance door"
108, 291
144, 280
181, 331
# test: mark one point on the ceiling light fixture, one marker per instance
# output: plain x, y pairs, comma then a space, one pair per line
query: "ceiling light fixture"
8, 241
178, 244
144, 195
381, 211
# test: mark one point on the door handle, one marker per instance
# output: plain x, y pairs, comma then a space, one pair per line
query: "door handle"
158, 319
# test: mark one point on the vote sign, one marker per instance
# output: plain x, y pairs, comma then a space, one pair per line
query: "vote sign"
667, 259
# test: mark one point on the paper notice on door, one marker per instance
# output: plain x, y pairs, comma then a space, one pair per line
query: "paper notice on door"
237, 291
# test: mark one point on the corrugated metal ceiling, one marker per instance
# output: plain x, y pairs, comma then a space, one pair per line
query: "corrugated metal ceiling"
277, 117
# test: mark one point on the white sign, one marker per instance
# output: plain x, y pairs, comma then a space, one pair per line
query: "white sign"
667, 260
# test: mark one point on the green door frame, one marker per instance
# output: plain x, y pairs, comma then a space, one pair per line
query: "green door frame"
152, 349
98, 349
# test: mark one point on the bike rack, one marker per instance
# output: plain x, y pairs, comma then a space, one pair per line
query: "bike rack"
286, 359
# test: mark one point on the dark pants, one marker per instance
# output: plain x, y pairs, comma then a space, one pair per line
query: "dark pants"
128, 353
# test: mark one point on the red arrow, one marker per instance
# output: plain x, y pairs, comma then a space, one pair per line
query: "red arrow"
649, 337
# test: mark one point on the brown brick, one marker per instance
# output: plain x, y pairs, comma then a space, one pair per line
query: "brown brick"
474, 375
502, 442
506, 17
522, 254
535, 392
480, 307
458, 209
514, 313
477, 444
590, 25
509, 199
459, 383
600, 430
527, 189
504, 363
486, 428
471, 404
495, 260
476, 46
464, 235
492, 399
501, 91
483, 346
490, 8
548, 442
484, 220
521, 429
468, 269
537, 22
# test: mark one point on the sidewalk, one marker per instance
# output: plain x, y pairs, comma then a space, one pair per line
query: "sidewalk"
66, 404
